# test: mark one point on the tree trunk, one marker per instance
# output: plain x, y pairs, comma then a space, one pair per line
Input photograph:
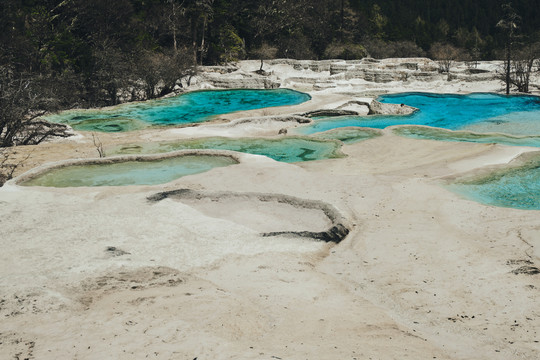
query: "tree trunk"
202, 40
342, 15
174, 27
194, 39
530, 64
508, 56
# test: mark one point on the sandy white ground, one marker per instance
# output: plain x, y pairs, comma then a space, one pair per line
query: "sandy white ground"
102, 273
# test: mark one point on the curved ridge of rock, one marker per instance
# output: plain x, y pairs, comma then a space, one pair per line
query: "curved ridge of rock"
300, 119
329, 112
40, 170
336, 233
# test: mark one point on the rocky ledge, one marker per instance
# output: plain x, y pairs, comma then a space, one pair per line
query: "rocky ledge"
373, 107
378, 108
324, 74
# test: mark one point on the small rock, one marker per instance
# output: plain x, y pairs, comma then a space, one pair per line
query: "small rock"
527, 270
113, 251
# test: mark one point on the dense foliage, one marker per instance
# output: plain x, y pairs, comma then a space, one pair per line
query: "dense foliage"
85, 36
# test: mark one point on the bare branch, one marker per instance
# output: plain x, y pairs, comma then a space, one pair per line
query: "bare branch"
99, 145
7, 167
22, 101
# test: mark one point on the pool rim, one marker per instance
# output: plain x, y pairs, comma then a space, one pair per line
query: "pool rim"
47, 167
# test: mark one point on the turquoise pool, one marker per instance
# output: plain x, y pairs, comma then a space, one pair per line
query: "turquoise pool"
429, 133
517, 115
481, 118
517, 187
192, 107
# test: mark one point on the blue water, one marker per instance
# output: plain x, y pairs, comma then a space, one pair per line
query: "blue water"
482, 118
480, 112
130, 172
421, 132
193, 107
516, 188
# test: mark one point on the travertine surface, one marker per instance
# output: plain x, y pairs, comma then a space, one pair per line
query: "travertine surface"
97, 273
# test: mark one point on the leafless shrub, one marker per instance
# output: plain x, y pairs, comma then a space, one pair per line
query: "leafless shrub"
160, 72
22, 101
445, 55
346, 51
522, 66
263, 53
379, 49
8, 165
99, 145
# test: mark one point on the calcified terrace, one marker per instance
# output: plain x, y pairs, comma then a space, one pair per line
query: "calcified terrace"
422, 271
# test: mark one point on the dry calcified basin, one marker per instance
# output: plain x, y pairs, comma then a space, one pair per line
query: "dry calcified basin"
126, 170
270, 214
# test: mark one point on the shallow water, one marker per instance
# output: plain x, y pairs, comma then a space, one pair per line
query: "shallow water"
130, 172
420, 132
516, 188
350, 135
482, 118
286, 149
192, 107
481, 112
